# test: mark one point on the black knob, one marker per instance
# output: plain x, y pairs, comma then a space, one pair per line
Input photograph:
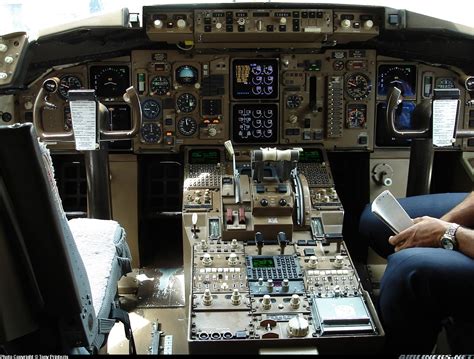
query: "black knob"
282, 202
264, 202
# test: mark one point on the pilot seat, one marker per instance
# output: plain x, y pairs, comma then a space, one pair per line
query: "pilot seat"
58, 278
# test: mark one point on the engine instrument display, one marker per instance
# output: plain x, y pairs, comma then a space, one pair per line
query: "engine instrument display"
255, 79
401, 76
109, 81
255, 123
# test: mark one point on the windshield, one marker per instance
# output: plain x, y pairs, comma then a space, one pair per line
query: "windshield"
32, 15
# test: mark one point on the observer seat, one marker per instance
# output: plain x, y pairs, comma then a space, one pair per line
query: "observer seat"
58, 278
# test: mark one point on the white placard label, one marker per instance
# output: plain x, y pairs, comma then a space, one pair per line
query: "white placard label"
83, 115
444, 120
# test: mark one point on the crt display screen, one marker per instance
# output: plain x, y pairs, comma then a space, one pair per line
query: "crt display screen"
204, 156
263, 262
401, 76
311, 156
255, 123
255, 79
403, 121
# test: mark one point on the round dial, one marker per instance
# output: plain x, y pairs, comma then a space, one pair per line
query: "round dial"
68, 82
186, 102
338, 65
186, 75
160, 85
358, 86
151, 109
187, 126
356, 116
151, 132
293, 101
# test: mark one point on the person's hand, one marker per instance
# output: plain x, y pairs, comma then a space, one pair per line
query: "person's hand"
425, 232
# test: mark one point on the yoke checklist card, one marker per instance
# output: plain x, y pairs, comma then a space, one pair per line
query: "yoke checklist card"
444, 120
83, 115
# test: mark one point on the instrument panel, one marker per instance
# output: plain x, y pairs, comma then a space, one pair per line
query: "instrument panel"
290, 94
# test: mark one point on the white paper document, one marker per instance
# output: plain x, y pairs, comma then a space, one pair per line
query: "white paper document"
444, 120
83, 114
389, 210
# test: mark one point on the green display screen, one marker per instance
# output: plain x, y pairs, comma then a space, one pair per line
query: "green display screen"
311, 156
204, 156
263, 262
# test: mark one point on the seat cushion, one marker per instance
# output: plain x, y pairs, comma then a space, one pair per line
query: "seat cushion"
106, 257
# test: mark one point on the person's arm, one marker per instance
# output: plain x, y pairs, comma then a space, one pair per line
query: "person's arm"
427, 232
463, 213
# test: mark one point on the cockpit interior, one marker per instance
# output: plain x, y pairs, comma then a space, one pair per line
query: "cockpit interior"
223, 154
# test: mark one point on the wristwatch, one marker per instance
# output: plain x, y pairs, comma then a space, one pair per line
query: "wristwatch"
448, 240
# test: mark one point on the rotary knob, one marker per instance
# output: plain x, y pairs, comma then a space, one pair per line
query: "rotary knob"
282, 202
232, 260
181, 23
283, 21
295, 301
158, 24
264, 202
236, 297
312, 262
369, 24
218, 25
298, 327
206, 260
234, 244
339, 261
346, 23
266, 302
3, 48
207, 297
270, 285
212, 131
9, 60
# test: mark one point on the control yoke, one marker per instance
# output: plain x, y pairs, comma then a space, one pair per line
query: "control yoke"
51, 85
394, 99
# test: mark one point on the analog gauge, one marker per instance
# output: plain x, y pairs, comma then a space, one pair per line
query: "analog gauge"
293, 101
186, 75
151, 132
358, 86
356, 116
445, 83
186, 102
401, 76
151, 109
110, 81
68, 82
187, 126
338, 65
160, 85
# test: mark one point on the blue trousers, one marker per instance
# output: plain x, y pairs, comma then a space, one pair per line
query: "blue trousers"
421, 287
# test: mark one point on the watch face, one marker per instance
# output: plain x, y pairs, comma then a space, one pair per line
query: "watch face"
447, 243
